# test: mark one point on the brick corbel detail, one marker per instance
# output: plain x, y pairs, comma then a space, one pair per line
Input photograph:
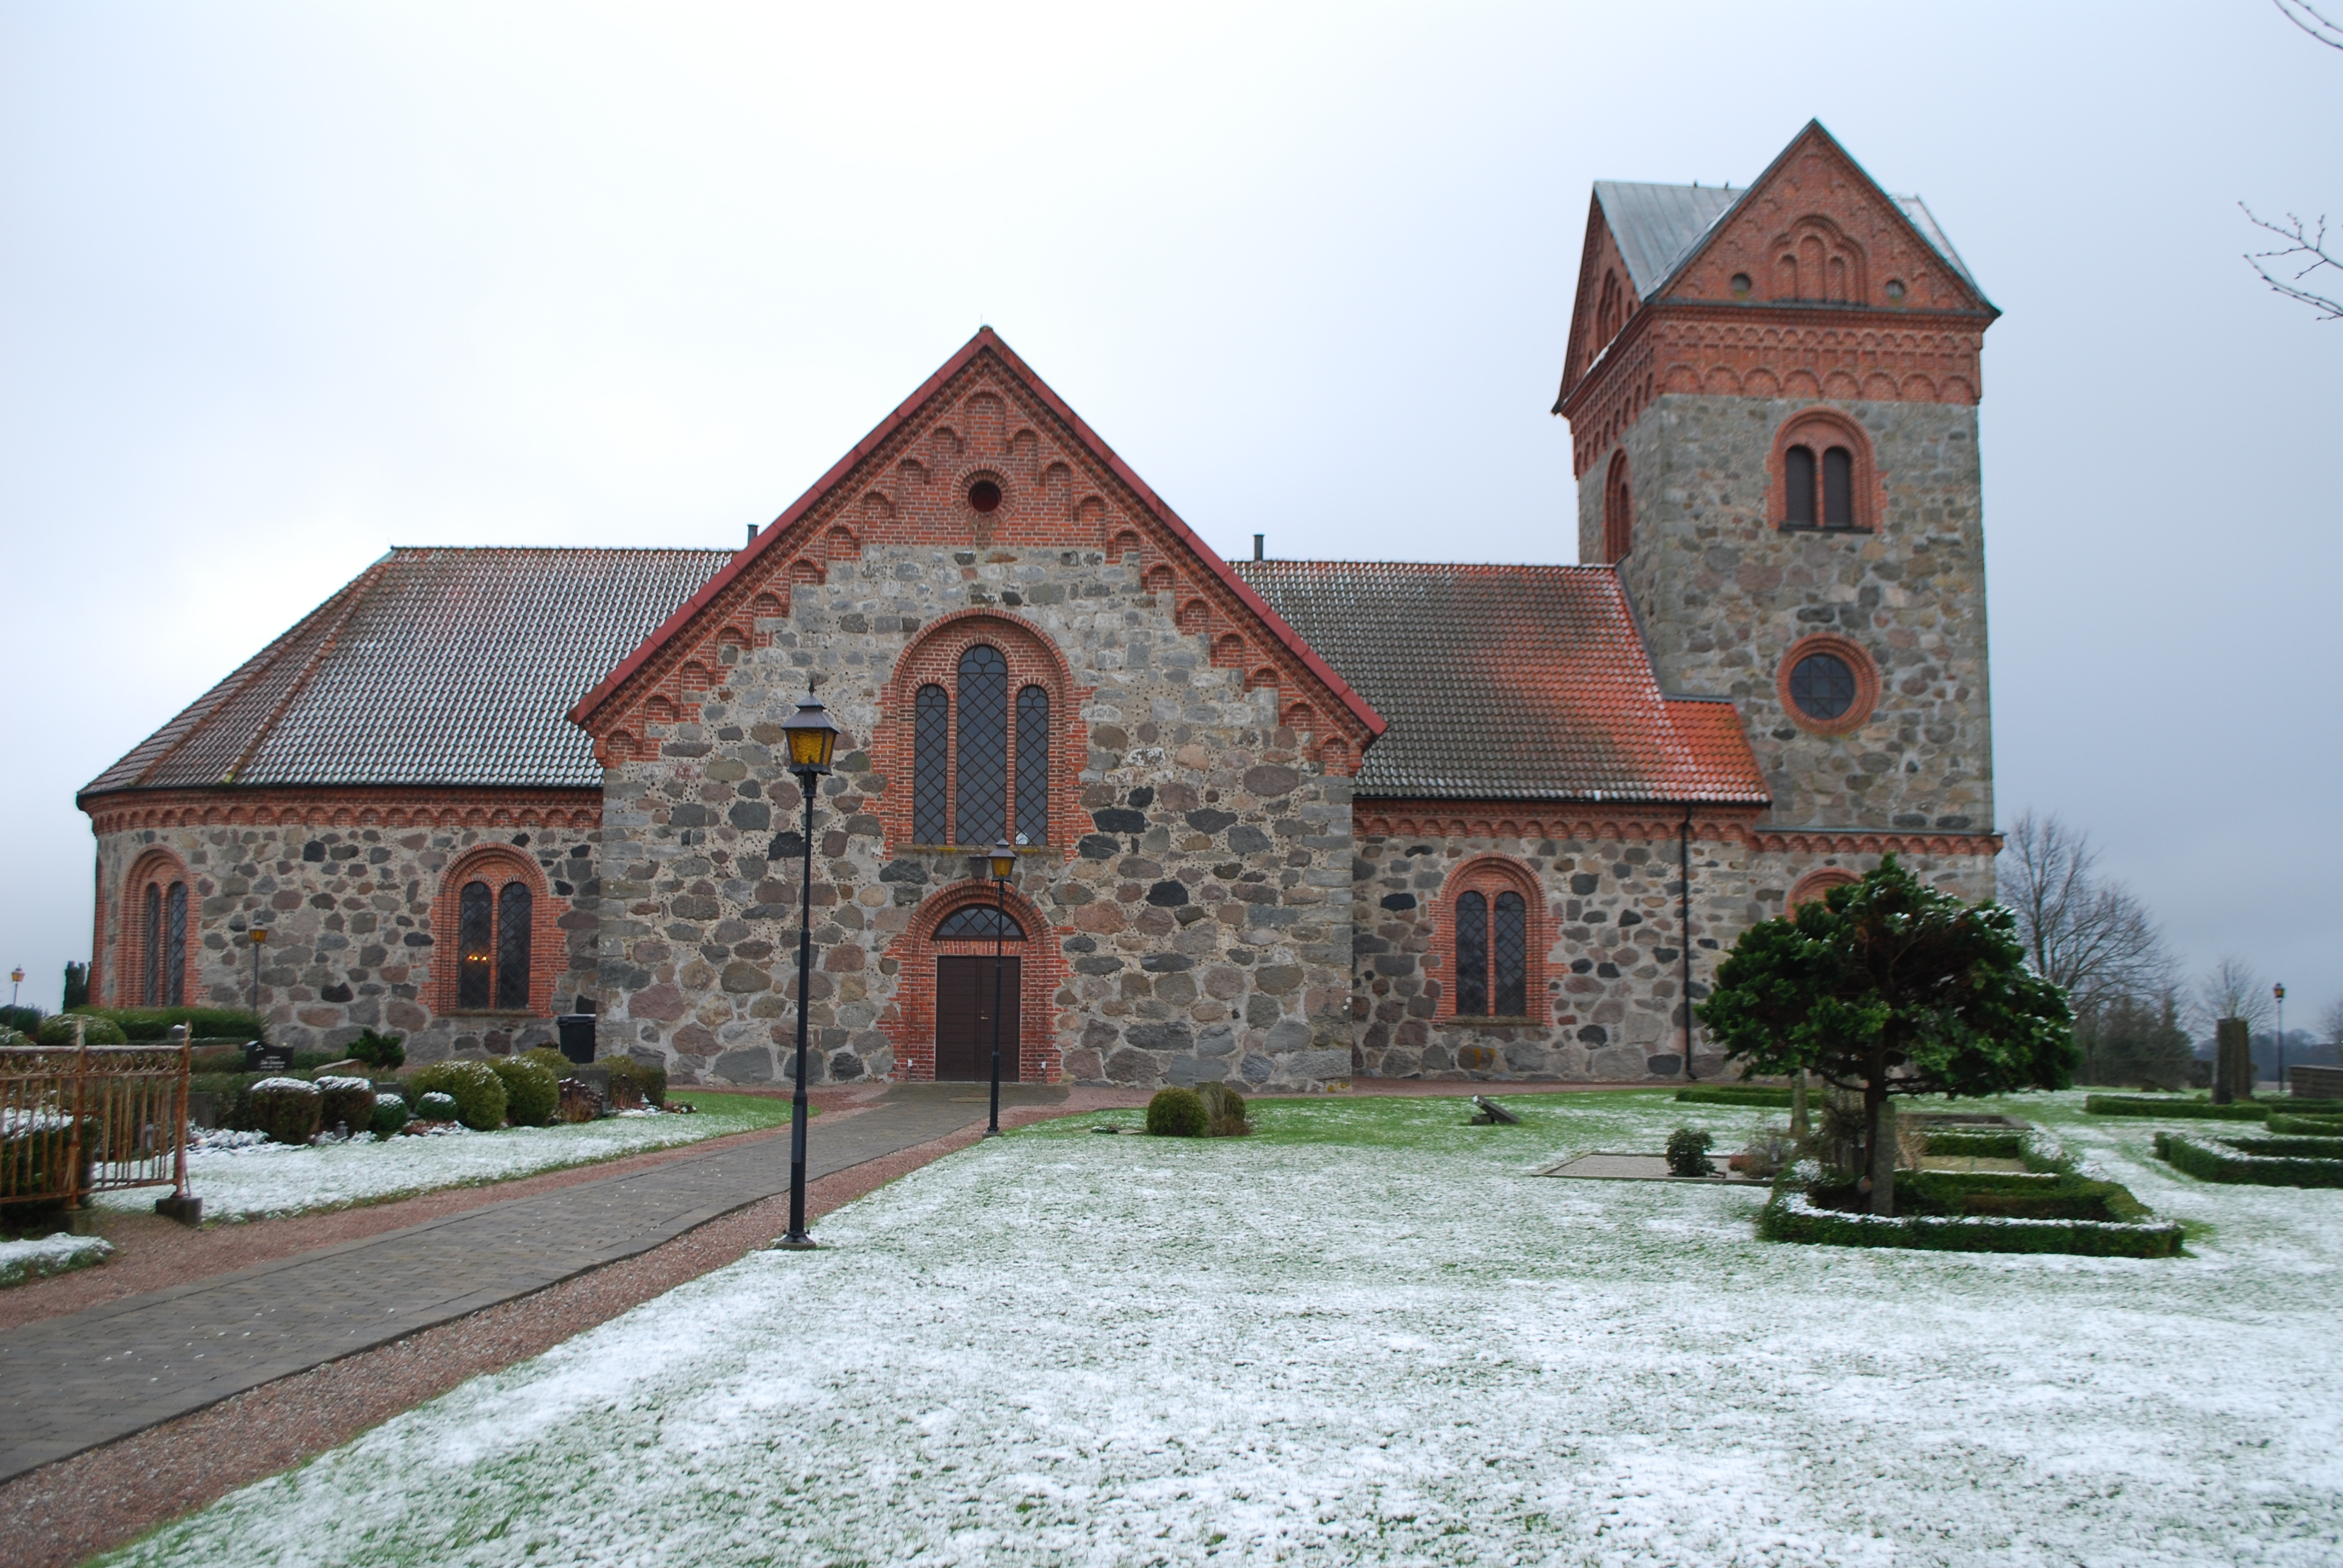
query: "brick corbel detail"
383, 806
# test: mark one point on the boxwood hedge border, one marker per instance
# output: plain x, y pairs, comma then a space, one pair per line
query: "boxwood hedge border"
2208, 1161
1789, 1217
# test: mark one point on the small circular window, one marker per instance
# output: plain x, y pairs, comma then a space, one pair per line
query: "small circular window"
1895, 291
1740, 286
1822, 687
984, 496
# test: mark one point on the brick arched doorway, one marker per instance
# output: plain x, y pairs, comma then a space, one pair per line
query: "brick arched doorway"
971, 984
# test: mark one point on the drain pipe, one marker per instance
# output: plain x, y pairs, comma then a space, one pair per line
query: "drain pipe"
1684, 918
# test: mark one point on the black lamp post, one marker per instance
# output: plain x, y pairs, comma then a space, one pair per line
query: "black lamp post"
1004, 866
812, 736
2278, 993
257, 937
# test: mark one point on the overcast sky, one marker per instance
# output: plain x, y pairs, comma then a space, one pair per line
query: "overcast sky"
281, 286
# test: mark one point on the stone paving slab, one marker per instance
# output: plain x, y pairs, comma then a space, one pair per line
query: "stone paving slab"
72, 1383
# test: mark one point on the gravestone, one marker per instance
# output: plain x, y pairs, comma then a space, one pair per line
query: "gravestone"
259, 1057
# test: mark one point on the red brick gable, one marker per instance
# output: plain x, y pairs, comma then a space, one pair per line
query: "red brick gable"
1820, 243
983, 415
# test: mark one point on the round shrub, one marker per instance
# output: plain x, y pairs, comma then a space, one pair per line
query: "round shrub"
437, 1107
390, 1114
551, 1059
57, 1028
641, 1081
532, 1090
1688, 1152
347, 1103
474, 1086
1176, 1113
286, 1109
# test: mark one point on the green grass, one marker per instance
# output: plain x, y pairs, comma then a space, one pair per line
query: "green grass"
751, 1111
1388, 1121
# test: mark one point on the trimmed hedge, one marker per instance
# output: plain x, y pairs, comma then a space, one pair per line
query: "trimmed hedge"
532, 1089
286, 1109
2316, 1126
57, 1028
1790, 1217
1981, 1144
1764, 1095
1176, 1113
345, 1102
2219, 1161
2175, 1106
141, 1025
390, 1114
478, 1092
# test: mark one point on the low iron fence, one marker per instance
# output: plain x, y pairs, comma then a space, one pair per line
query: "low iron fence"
81, 1119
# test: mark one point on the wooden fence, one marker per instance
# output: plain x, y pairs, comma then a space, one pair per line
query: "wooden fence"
81, 1119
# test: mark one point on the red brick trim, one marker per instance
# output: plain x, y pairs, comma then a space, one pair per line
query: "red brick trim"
1815, 883
497, 865
1819, 429
909, 1020
1490, 875
1866, 683
1822, 842
1034, 659
828, 494
127, 974
347, 806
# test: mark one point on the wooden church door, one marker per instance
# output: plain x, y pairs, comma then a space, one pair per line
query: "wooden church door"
964, 992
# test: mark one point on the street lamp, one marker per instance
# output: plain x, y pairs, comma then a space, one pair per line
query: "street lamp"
257, 937
15, 983
2278, 992
812, 736
1004, 866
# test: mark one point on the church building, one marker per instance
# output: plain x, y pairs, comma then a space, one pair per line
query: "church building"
1281, 822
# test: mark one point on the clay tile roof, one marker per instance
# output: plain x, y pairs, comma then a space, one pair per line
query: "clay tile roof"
453, 667
1508, 682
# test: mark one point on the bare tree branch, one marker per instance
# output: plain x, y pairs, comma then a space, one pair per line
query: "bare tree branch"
2308, 19
2330, 1022
2303, 241
2089, 936
2233, 989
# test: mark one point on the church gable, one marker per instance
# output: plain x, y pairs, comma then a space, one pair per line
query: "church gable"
983, 458
1816, 229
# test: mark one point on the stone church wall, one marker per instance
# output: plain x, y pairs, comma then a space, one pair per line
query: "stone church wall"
357, 918
1192, 907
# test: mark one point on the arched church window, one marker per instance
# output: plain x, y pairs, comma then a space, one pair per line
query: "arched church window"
1798, 487
1033, 765
930, 765
1618, 511
982, 805
153, 929
162, 933
1473, 954
1508, 950
979, 922
492, 946
1838, 488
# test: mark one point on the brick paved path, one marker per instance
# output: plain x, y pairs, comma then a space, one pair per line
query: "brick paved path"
73, 1383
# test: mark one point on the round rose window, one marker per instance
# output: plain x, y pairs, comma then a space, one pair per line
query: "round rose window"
984, 495
1822, 687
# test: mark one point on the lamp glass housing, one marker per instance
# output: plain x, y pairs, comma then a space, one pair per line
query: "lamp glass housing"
1004, 860
813, 735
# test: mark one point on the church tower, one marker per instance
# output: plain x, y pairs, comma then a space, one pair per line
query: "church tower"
1772, 395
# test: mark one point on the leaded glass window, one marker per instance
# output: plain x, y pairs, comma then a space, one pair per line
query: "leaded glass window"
1473, 954
474, 954
1032, 766
1509, 953
151, 983
174, 946
930, 767
983, 808
1798, 485
979, 920
512, 947
1838, 488
1822, 686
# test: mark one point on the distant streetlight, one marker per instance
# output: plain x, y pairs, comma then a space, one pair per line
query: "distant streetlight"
1004, 866
15, 982
259, 938
2278, 993
812, 736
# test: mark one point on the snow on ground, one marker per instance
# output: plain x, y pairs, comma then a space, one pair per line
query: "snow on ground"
29, 1259
248, 1181
1367, 1334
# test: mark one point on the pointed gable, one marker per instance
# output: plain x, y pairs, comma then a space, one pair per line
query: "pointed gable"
983, 419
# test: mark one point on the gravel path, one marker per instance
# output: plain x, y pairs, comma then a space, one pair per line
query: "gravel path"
63, 1513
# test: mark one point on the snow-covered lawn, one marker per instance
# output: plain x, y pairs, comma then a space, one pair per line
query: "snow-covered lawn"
1367, 1335
30, 1258
264, 1181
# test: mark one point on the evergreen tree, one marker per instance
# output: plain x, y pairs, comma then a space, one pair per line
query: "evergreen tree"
1892, 987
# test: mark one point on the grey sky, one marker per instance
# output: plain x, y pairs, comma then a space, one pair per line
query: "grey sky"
282, 286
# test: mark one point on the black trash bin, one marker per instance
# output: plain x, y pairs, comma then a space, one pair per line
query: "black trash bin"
577, 1036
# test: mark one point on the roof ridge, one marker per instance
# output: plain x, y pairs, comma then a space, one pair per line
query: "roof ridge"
1428, 566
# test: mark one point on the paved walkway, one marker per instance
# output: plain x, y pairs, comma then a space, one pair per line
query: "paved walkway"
73, 1383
